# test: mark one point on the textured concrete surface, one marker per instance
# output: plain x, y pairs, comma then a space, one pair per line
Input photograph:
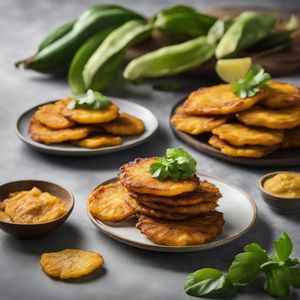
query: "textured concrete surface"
129, 273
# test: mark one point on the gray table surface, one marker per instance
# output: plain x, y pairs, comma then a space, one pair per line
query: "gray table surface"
129, 273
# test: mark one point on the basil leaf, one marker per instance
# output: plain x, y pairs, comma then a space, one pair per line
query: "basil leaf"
295, 277
283, 246
246, 266
278, 281
207, 282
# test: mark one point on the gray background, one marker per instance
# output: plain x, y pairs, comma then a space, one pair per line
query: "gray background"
129, 273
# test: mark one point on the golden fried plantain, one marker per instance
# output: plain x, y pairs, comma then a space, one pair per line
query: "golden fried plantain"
195, 125
34, 206
125, 124
281, 94
99, 141
107, 203
85, 116
136, 177
198, 230
51, 115
291, 138
4, 217
283, 118
41, 133
70, 263
238, 134
241, 151
205, 192
218, 100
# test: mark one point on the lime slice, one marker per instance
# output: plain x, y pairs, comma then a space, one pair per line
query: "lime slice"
233, 69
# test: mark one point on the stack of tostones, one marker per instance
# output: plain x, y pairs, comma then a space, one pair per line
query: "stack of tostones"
252, 127
54, 123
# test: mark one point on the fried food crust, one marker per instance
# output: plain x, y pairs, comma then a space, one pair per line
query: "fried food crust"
125, 124
281, 94
218, 100
195, 125
283, 118
205, 192
136, 177
84, 116
107, 203
41, 133
291, 138
241, 151
51, 115
4, 217
198, 230
99, 141
70, 263
239, 135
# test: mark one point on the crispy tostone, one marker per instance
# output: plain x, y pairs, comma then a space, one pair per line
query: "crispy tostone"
99, 141
125, 124
239, 134
218, 100
283, 118
241, 151
136, 177
70, 263
281, 94
85, 116
198, 230
291, 138
107, 203
51, 115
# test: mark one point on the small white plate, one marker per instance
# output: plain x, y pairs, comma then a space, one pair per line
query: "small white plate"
239, 213
151, 124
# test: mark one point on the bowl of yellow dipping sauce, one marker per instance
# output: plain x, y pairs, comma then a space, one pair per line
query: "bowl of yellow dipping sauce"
281, 191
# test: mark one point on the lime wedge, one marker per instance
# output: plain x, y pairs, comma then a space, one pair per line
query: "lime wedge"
233, 69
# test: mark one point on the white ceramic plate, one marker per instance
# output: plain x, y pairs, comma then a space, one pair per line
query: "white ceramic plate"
239, 213
151, 124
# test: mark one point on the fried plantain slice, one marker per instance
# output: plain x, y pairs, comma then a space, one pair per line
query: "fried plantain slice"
205, 192
4, 217
291, 138
70, 263
51, 115
34, 206
195, 125
107, 203
283, 118
198, 230
241, 151
218, 100
85, 116
281, 94
40, 133
145, 210
99, 141
125, 124
239, 135
136, 177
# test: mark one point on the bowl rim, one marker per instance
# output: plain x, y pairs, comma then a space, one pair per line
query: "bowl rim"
72, 198
270, 175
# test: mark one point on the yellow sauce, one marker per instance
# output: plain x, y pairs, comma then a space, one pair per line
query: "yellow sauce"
285, 185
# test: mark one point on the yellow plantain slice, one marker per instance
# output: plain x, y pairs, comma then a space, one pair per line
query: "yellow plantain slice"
99, 141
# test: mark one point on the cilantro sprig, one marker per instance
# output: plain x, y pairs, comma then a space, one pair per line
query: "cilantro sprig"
91, 101
281, 272
255, 79
177, 165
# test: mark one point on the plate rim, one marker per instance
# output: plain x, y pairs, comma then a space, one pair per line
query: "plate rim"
81, 151
164, 248
207, 149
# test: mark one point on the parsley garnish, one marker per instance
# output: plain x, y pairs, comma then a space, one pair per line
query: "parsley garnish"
177, 165
249, 86
91, 101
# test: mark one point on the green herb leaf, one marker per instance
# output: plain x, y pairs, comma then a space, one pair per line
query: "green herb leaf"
283, 246
246, 266
249, 86
295, 277
91, 101
207, 282
177, 165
